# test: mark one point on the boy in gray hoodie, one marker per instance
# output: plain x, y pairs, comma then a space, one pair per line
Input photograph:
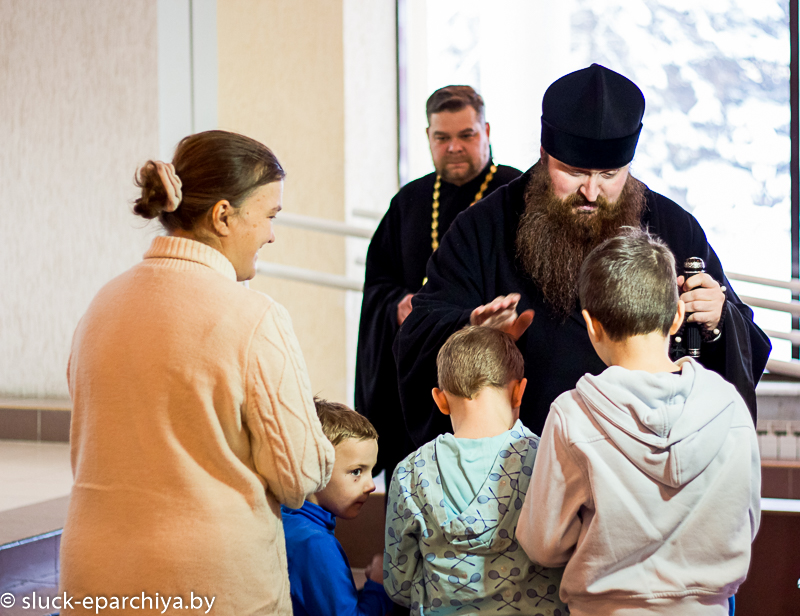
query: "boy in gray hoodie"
647, 480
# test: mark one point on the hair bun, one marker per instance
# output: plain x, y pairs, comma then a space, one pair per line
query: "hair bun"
153, 200
206, 168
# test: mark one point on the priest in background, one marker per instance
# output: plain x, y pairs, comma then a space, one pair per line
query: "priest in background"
407, 236
512, 261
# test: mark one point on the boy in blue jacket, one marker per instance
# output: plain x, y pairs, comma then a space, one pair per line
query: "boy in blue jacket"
319, 572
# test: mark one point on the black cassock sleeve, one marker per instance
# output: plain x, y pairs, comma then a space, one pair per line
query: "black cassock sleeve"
741, 353
376, 394
443, 306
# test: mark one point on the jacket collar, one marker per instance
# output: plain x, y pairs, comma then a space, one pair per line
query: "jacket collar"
170, 247
315, 514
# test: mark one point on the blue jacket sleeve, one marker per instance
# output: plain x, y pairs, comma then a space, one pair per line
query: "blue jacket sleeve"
322, 584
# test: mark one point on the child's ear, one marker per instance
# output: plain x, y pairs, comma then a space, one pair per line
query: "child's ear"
441, 400
517, 391
679, 316
592, 326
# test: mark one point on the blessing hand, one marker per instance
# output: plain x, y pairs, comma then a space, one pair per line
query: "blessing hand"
704, 298
501, 313
404, 308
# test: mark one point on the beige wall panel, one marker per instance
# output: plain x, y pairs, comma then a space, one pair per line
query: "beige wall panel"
281, 81
78, 93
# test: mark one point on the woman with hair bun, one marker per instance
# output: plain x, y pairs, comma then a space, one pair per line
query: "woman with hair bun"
193, 417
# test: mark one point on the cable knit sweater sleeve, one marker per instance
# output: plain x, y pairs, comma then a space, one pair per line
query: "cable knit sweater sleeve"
288, 446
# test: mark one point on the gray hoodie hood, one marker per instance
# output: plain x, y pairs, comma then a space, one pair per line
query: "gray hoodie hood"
670, 426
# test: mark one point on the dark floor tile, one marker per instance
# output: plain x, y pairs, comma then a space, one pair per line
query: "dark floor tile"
18, 424
775, 482
28, 561
58, 554
55, 426
771, 587
33, 599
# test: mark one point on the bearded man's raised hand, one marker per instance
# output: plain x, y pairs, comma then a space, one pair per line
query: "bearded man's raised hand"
501, 313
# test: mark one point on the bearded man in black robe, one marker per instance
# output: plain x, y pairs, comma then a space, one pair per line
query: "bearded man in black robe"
518, 253
409, 233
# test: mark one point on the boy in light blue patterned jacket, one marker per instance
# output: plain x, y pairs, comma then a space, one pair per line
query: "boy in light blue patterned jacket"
454, 503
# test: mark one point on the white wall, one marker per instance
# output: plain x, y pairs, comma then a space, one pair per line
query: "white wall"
79, 91
90, 89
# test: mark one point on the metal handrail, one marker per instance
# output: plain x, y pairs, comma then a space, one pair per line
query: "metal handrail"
785, 368
289, 272
322, 225
792, 308
793, 285
776, 366
299, 221
371, 214
793, 337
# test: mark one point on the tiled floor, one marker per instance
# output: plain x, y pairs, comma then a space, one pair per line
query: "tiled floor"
33, 473
34, 478
29, 578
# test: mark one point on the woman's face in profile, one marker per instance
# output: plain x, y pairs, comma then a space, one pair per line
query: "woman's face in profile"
252, 228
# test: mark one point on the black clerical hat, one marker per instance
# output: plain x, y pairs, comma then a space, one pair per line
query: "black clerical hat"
592, 118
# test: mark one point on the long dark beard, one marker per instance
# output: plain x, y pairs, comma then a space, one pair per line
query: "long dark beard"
553, 238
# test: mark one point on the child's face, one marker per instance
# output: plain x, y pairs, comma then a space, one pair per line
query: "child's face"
351, 481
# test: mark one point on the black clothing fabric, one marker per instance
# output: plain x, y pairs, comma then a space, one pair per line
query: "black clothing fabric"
476, 262
592, 118
396, 262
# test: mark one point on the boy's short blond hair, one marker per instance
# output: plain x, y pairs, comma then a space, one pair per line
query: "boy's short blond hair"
477, 357
340, 422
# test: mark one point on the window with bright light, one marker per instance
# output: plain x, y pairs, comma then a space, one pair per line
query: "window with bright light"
715, 76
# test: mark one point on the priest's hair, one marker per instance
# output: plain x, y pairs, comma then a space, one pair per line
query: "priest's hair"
340, 422
453, 99
477, 357
628, 284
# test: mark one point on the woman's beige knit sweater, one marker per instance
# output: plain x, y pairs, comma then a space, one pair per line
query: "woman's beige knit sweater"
192, 421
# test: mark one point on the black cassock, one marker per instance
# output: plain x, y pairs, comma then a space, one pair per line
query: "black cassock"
476, 262
396, 262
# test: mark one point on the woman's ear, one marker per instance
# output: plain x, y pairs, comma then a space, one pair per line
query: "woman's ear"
441, 400
680, 313
221, 215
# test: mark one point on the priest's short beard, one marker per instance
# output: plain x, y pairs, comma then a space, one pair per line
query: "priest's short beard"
553, 238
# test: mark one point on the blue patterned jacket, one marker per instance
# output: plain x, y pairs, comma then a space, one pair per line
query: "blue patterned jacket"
472, 563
